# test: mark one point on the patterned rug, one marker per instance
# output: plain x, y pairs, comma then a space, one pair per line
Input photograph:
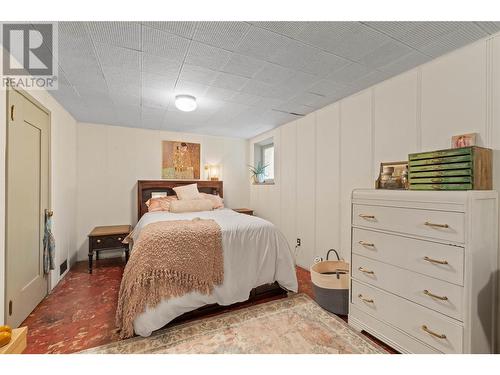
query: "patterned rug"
292, 325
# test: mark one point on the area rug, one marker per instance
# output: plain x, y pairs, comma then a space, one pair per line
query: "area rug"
293, 325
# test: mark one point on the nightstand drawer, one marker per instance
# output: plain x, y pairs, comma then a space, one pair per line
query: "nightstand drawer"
106, 242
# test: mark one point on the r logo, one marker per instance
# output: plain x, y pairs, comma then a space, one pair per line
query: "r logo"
29, 49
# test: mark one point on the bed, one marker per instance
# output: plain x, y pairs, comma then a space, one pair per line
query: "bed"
257, 259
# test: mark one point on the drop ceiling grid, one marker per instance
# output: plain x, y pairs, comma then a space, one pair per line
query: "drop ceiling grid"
265, 67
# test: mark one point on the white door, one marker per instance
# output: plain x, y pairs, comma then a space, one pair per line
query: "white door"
27, 198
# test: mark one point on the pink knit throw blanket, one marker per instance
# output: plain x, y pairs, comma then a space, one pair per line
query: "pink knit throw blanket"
169, 259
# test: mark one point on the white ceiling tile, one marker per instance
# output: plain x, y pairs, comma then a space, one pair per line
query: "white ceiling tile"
405, 63
160, 82
244, 98
385, 54
123, 99
326, 88
464, 34
122, 34
207, 56
268, 103
294, 55
124, 58
230, 81
217, 93
87, 76
349, 73
325, 35
225, 35
161, 43
128, 115
273, 74
184, 29
262, 43
190, 88
258, 88
323, 63
294, 108
360, 41
290, 29
489, 27
370, 79
242, 65
198, 74
77, 30
301, 81
156, 98
152, 117
307, 98
160, 65
121, 77
419, 35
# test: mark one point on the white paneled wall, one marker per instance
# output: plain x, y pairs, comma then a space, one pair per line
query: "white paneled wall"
288, 181
326, 154
327, 230
355, 156
306, 180
394, 125
454, 96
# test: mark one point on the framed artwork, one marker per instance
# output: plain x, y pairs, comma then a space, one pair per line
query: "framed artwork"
463, 140
393, 175
181, 160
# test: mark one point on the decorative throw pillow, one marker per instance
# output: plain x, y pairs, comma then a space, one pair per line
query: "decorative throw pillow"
217, 201
160, 204
193, 205
187, 192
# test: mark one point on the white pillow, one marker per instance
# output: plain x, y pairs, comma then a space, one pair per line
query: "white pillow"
193, 205
187, 192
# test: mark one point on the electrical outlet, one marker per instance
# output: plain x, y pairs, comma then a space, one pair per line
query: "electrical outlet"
298, 242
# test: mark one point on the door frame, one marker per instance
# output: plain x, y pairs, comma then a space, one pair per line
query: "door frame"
7, 113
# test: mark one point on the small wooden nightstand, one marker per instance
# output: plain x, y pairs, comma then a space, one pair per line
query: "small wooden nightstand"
245, 211
108, 238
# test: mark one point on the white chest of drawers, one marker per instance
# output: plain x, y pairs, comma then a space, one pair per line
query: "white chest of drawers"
424, 269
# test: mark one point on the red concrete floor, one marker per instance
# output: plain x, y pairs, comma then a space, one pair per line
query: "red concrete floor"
80, 312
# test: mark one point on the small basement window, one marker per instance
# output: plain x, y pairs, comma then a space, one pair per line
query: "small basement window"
264, 153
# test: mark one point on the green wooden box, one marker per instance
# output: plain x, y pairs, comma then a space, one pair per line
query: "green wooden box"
466, 168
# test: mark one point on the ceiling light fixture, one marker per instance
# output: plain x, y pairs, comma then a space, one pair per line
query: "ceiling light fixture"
186, 103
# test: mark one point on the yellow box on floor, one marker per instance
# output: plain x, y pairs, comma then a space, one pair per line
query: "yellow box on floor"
18, 342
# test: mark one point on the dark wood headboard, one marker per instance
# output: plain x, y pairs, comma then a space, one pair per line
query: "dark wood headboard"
146, 187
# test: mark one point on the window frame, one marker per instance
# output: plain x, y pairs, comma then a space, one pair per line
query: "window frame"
263, 149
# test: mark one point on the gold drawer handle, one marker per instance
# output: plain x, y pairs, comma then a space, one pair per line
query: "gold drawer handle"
429, 224
435, 260
442, 298
366, 271
98, 241
364, 243
430, 332
365, 216
368, 300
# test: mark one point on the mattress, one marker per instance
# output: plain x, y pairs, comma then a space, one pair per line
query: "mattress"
255, 253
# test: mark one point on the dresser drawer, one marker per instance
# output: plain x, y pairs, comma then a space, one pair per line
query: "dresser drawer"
420, 322
442, 225
437, 295
106, 242
444, 262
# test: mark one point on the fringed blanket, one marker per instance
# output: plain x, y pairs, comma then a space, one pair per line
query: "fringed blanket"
169, 259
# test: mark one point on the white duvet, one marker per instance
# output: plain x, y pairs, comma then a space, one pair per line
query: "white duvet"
255, 253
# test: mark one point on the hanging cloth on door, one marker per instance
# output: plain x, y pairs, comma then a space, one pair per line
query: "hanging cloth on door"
49, 246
